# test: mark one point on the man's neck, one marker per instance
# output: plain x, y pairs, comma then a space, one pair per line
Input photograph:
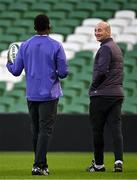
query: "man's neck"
43, 32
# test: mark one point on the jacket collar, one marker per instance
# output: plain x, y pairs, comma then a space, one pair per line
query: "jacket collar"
105, 41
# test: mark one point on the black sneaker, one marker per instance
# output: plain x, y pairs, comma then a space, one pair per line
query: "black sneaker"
92, 168
36, 171
45, 171
40, 171
118, 167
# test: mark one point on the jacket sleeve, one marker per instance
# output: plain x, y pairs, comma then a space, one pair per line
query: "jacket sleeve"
17, 66
103, 61
61, 62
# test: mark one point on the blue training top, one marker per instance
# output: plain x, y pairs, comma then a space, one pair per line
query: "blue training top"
44, 62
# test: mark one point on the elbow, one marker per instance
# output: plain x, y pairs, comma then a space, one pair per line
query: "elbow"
12, 70
16, 73
63, 75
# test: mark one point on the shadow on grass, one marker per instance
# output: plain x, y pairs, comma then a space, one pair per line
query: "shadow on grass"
70, 173
54, 174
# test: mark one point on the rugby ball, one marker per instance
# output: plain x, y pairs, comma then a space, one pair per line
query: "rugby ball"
13, 49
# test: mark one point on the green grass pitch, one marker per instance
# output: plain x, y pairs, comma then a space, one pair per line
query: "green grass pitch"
17, 165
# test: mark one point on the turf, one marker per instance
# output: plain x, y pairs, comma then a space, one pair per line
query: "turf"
17, 165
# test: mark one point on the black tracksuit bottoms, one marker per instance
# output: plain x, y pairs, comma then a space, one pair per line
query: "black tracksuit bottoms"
104, 110
43, 116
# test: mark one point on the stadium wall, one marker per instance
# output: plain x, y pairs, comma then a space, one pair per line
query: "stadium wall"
72, 133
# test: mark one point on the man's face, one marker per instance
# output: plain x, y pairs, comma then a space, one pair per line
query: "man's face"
101, 32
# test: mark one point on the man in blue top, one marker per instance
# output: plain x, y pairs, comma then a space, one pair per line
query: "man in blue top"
106, 97
44, 62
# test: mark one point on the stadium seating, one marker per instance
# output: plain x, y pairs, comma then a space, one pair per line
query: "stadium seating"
72, 23
125, 14
97, 2
2, 7
131, 54
58, 37
30, 14
10, 15
18, 31
135, 47
19, 108
29, 2
72, 46
23, 23
41, 7
129, 39
52, 2
7, 2
8, 38
57, 15
118, 22
3, 45
91, 22
62, 30
129, 108
66, 7
121, 2
115, 31
87, 57
86, 6
79, 14
78, 63
129, 65
16, 94
2, 88
134, 22
130, 6
69, 53
103, 14
4, 23
80, 38
123, 47
130, 30
20, 86
18, 7
2, 109
110, 6
7, 102
92, 46
86, 30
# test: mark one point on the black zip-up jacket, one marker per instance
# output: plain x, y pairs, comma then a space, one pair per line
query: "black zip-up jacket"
108, 71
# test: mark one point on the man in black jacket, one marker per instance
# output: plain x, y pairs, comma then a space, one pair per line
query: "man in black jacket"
106, 97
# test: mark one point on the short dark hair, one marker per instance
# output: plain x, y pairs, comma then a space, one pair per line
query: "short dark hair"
41, 22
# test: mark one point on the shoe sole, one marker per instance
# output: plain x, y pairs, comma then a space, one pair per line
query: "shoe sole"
118, 170
40, 174
100, 170
36, 174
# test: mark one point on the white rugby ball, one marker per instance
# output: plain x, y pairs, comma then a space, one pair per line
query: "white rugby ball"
13, 49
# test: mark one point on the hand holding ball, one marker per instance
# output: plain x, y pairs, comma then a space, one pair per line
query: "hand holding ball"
13, 49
